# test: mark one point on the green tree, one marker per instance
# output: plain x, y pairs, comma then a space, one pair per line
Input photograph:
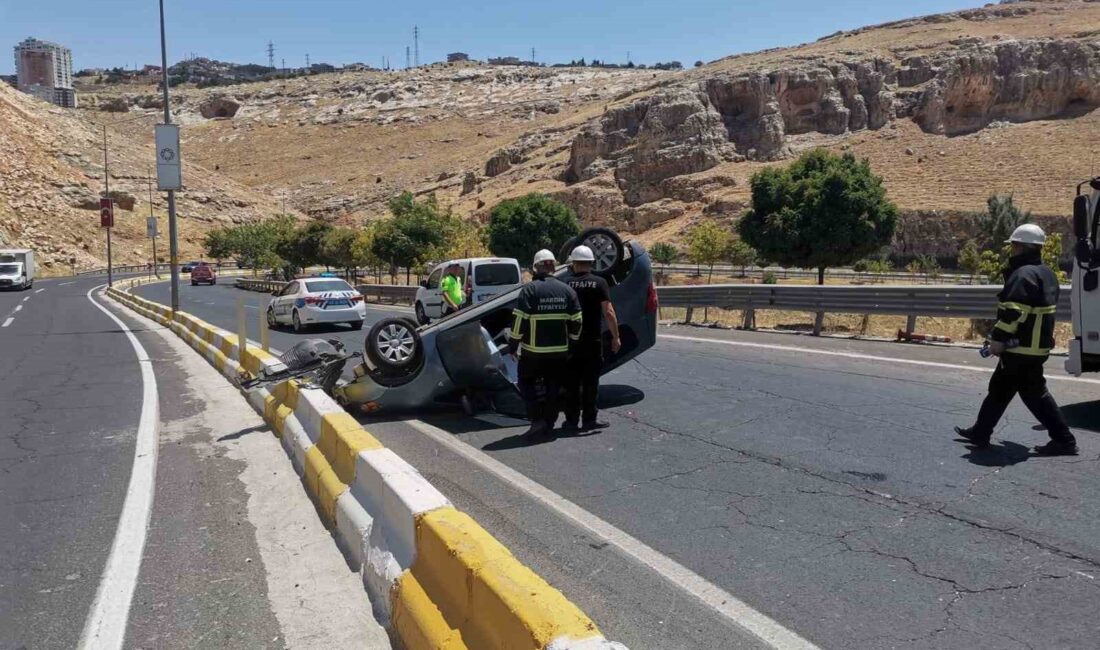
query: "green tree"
664, 254
1001, 217
708, 244
520, 227
823, 210
302, 247
970, 258
338, 249
993, 263
418, 232
219, 243
741, 254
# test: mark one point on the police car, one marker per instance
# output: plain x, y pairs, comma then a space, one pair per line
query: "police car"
314, 301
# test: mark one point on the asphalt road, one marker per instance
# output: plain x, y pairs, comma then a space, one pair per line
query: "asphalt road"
817, 480
71, 401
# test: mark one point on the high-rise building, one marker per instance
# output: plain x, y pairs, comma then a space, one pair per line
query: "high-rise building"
45, 70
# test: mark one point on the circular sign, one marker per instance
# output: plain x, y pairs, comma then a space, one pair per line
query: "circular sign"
167, 154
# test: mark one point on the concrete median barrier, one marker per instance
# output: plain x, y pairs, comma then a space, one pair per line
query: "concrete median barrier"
436, 578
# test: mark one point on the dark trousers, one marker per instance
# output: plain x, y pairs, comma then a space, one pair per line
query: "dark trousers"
1021, 374
540, 380
582, 382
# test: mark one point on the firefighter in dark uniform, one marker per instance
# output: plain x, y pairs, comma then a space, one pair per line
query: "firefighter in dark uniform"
582, 383
546, 319
1023, 338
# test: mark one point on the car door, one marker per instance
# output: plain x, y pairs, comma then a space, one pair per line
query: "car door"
433, 297
284, 303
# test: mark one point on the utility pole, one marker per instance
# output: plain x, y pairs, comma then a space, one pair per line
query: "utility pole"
532, 55
173, 246
107, 195
407, 59
416, 45
284, 69
153, 233
307, 61
271, 55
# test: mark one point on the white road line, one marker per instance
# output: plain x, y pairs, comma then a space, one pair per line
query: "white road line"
105, 627
39, 290
856, 355
26, 299
65, 284
18, 308
714, 597
8, 321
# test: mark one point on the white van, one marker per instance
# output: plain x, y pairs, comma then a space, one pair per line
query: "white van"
16, 268
483, 277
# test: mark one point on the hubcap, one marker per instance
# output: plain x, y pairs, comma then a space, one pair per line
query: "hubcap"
604, 249
395, 343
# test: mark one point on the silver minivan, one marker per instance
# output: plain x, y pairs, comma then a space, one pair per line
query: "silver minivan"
484, 279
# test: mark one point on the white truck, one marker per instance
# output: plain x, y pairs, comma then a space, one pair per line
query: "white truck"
1084, 349
16, 268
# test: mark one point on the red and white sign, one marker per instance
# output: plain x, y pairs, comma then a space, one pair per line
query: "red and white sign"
106, 213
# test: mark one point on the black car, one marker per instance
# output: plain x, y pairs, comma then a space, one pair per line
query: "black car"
189, 266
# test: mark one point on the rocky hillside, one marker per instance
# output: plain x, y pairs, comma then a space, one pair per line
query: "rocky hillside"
51, 178
949, 108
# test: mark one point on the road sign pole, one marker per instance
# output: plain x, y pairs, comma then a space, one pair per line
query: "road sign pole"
173, 247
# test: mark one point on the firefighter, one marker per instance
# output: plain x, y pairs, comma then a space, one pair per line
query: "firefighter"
586, 354
1022, 339
546, 318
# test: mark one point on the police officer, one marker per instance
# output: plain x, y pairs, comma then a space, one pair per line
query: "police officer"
1022, 338
453, 292
546, 318
582, 383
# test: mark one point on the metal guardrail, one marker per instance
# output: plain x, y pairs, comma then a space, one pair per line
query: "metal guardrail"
729, 270
265, 286
391, 292
912, 301
141, 268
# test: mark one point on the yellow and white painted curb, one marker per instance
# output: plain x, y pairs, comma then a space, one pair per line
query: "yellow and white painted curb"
436, 579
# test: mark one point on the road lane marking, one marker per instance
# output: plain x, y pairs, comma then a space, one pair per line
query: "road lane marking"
39, 290
18, 308
105, 627
857, 355
8, 321
65, 284
723, 603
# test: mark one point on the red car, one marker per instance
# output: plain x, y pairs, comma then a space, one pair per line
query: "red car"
203, 273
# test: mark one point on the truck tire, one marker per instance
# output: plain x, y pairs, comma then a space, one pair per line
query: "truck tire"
393, 346
421, 315
608, 248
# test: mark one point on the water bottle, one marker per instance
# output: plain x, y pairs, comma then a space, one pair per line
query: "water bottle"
1011, 343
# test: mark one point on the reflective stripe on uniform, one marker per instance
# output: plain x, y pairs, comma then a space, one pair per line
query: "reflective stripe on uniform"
1033, 347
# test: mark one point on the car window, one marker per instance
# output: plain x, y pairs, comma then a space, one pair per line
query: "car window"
290, 289
433, 279
495, 275
314, 286
9, 268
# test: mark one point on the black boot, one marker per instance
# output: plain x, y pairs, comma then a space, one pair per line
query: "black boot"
1057, 448
972, 437
537, 429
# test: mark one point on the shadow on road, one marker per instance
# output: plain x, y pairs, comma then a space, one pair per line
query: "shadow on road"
242, 433
520, 441
1083, 415
613, 395
1002, 455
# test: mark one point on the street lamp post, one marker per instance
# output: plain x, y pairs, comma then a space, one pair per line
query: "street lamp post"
173, 250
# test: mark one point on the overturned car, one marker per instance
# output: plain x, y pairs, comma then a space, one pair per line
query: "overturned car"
461, 358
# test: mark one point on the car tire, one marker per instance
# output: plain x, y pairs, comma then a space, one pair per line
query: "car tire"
356, 325
393, 346
608, 248
421, 315
567, 249
194, 284
213, 282
299, 327
272, 322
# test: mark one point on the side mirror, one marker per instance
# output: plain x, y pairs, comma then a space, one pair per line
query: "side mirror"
1081, 217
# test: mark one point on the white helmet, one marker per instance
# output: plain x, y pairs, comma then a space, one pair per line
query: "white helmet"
1028, 233
581, 254
544, 256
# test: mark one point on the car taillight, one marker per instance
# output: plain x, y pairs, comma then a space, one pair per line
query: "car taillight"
651, 300
314, 300
356, 299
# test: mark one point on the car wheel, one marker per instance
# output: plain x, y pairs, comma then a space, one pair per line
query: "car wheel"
421, 315
272, 323
393, 345
356, 325
213, 282
567, 249
606, 246
194, 284
298, 326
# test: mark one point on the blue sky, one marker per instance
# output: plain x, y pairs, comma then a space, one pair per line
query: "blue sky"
107, 33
